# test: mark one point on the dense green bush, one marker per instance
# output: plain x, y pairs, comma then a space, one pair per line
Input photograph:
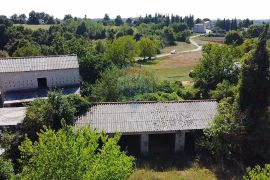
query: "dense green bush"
158, 96
258, 173
234, 38
74, 153
188, 93
218, 63
52, 112
122, 85
6, 169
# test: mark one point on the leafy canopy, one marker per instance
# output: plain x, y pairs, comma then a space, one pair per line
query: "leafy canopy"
74, 153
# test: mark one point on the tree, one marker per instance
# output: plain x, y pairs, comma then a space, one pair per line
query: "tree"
179, 27
49, 113
28, 50
80, 104
241, 131
168, 36
91, 66
67, 17
82, 29
58, 45
147, 47
15, 18
106, 20
22, 18
258, 173
74, 153
118, 21
234, 37
9, 142
6, 169
254, 31
254, 100
33, 19
129, 21
123, 51
106, 88
218, 63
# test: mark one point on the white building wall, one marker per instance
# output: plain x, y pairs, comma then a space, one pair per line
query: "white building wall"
28, 80
199, 28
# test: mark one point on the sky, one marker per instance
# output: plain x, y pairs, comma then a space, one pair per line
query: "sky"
213, 9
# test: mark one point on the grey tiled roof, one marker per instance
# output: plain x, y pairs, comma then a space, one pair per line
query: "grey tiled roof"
12, 116
38, 63
142, 117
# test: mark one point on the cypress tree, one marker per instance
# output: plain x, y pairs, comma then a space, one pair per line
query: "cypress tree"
253, 102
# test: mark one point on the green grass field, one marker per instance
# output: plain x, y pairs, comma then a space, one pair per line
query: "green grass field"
171, 74
175, 67
34, 27
179, 47
193, 173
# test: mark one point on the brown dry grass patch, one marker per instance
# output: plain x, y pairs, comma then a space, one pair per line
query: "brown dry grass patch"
190, 59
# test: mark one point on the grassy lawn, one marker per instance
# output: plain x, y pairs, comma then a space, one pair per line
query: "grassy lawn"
170, 167
180, 46
173, 74
175, 67
34, 27
193, 173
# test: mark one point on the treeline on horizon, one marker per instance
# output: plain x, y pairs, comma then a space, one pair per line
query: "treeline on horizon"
35, 18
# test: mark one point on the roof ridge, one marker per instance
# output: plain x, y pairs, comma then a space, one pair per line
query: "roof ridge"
32, 57
149, 102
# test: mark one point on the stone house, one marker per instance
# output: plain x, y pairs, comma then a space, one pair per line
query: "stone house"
24, 79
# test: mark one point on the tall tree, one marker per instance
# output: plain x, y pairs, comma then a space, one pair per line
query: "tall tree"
233, 37
148, 48
123, 51
106, 20
118, 21
254, 101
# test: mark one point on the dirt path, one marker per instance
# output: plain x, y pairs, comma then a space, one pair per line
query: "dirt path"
199, 48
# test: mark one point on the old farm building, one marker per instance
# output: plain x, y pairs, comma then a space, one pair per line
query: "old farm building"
23, 79
144, 125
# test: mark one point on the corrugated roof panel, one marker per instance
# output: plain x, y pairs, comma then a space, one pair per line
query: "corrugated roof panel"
38, 63
149, 117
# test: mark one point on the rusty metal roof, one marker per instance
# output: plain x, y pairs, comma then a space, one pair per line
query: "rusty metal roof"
42, 63
139, 117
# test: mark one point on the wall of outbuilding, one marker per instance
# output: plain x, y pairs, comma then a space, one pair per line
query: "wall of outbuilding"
28, 80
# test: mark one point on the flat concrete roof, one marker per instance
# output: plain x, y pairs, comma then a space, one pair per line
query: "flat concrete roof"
24, 96
12, 116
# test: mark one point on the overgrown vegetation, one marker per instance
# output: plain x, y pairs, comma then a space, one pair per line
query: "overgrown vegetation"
236, 74
240, 132
74, 154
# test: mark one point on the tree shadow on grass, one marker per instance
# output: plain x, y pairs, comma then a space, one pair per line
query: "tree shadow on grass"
166, 162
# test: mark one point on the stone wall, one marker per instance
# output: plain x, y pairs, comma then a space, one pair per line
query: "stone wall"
28, 80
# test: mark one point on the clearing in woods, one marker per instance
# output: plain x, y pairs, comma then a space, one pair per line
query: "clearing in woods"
174, 67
